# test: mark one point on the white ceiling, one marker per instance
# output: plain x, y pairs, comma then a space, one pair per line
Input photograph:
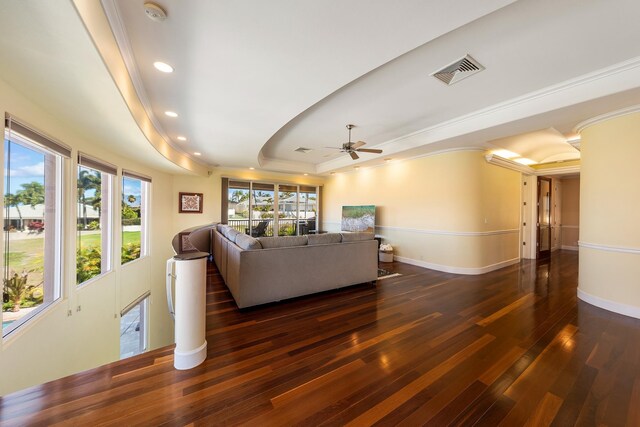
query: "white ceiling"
46, 54
254, 80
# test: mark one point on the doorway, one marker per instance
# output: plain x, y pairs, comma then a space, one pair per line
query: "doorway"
543, 245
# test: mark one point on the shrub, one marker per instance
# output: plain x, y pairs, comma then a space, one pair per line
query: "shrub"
88, 263
94, 225
131, 221
130, 251
287, 230
17, 289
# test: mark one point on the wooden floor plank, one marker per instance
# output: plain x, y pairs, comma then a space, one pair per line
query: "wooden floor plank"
510, 347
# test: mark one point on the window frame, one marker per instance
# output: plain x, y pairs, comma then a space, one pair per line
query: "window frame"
145, 192
109, 172
227, 184
31, 139
144, 302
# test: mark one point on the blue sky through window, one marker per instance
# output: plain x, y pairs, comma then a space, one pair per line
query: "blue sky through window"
22, 167
131, 187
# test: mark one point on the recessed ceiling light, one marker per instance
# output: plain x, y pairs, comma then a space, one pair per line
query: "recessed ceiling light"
181, 138
197, 153
356, 167
333, 173
171, 114
306, 174
388, 159
164, 67
251, 168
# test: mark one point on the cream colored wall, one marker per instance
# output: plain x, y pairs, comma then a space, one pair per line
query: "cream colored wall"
570, 213
609, 206
451, 211
211, 188
55, 344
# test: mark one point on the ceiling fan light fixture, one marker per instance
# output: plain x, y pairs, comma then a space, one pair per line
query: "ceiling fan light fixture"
350, 147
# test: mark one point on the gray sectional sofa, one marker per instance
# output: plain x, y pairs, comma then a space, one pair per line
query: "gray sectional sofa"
268, 269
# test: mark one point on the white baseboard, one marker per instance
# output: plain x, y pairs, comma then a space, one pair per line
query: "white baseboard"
569, 248
616, 307
457, 270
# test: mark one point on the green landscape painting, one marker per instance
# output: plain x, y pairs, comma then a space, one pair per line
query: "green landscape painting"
358, 218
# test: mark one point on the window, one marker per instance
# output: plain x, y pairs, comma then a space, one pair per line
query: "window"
265, 209
134, 327
95, 181
135, 190
32, 223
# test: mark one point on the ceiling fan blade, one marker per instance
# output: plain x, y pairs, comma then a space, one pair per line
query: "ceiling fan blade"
358, 144
353, 155
369, 150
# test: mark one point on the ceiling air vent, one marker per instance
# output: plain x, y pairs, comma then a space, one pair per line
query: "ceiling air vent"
302, 150
459, 70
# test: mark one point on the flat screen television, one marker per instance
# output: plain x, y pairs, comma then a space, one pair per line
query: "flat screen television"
358, 218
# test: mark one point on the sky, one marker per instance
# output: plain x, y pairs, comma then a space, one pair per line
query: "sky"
26, 165
131, 187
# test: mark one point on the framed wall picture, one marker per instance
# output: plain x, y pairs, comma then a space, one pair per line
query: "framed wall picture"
190, 202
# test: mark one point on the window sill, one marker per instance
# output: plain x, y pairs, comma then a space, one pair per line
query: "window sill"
134, 261
29, 322
94, 279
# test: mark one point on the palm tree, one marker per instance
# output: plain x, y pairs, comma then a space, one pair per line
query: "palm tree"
236, 195
14, 200
86, 181
131, 198
32, 193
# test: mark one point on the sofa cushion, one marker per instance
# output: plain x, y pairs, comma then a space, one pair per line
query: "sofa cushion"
356, 237
324, 239
220, 227
231, 233
247, 242
282, 241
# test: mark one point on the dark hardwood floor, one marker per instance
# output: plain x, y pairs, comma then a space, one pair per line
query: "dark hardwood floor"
512, 347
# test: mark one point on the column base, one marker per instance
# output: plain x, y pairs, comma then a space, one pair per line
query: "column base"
183, 360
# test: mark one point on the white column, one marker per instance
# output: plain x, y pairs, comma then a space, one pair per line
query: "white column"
190, 312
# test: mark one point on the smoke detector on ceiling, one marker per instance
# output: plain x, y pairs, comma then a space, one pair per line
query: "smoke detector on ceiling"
461, 69
155, 12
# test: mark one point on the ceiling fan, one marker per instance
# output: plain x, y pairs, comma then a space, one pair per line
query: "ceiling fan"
352, 147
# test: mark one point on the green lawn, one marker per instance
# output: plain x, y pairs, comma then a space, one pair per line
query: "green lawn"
27, 254
89, 240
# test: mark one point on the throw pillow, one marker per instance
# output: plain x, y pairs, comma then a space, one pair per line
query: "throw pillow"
247, 242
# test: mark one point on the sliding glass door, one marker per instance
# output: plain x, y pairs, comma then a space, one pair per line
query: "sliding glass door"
263, 199
268, 209
287, 210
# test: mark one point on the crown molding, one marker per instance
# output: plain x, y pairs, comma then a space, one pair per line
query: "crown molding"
508, 164
607, 116
558, 171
